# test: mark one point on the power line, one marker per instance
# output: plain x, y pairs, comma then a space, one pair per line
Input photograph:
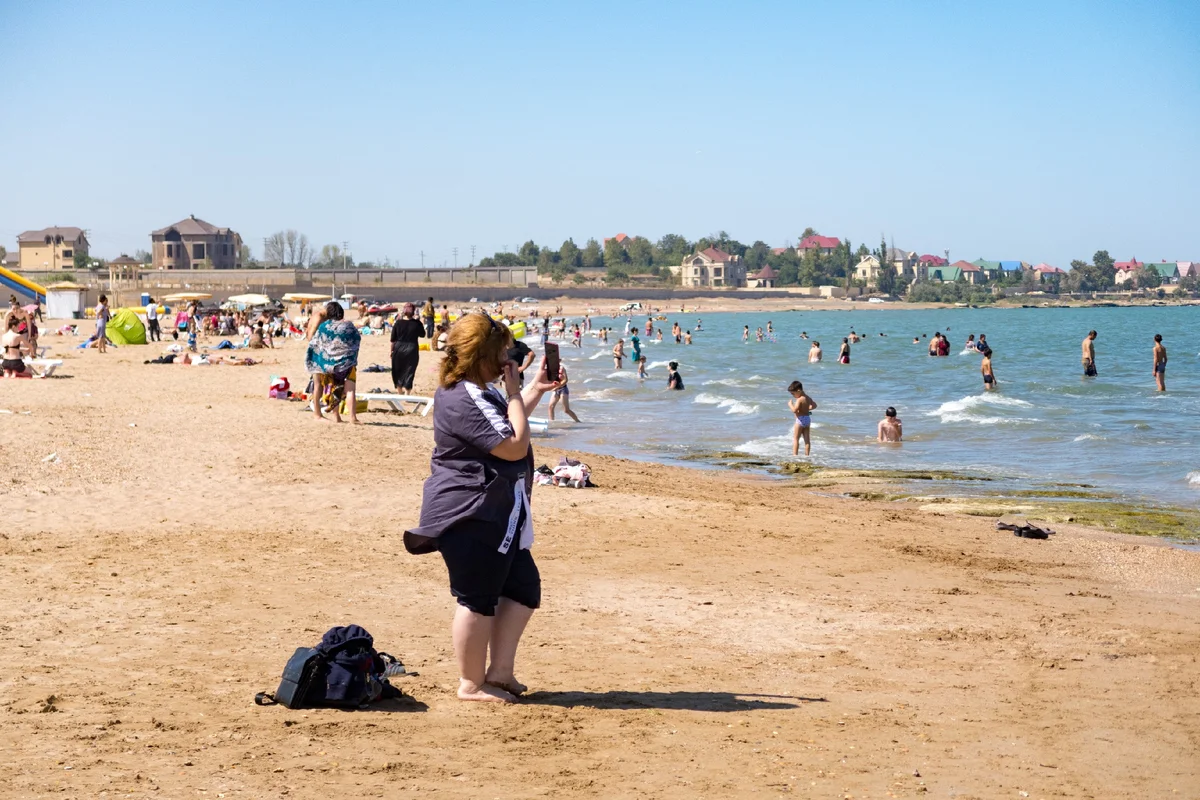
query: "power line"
455, 251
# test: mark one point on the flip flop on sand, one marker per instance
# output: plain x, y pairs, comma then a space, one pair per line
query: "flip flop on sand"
1026, 531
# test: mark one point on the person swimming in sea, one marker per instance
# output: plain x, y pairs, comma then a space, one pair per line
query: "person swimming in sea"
803, 334
758, 335
770, 329
674, 379
745, 334
844, 353
814, 353
802, 406
985, 368
891, 429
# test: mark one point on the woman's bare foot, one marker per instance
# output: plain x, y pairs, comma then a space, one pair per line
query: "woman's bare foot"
485, 693
508, 684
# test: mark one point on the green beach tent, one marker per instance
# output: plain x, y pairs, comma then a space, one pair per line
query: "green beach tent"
126, 327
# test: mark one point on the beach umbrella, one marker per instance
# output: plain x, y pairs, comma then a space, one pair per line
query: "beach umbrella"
183, 297
250, 299
304, 297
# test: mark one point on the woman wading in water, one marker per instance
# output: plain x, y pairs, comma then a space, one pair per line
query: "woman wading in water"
475, 505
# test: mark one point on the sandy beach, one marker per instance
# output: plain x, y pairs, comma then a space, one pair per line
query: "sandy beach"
703, 633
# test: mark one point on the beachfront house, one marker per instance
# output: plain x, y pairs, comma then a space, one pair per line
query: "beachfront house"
50, 249
621, 238
823, 245
867, 271
970, 273
991, 269
906, 264
195, 244
711, 268
1188, 269
1042, 270
945, 274
1167, 270
1010, 268
763, 279
1127, 270
930, 260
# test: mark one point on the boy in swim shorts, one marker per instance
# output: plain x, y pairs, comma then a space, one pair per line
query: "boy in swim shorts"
802, 406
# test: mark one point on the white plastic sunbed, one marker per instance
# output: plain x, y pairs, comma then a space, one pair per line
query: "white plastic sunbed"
43, 367
397, 401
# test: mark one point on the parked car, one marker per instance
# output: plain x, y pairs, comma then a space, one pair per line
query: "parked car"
631, 307
529, 299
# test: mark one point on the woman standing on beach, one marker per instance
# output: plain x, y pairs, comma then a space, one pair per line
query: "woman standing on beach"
406, 352
332, 360
475, 504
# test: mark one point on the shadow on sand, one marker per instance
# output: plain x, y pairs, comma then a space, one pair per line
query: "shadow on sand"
682, 701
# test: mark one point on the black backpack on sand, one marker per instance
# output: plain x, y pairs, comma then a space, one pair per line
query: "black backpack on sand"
343, 671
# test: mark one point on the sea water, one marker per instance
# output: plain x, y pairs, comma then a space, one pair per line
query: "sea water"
1045, 424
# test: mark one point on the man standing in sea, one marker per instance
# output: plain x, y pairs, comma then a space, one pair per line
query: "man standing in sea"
1160, 363
1089, 355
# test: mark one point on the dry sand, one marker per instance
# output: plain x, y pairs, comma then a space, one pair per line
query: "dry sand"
702, 635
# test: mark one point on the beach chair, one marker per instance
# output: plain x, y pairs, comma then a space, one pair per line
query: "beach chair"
43, 367
397, 401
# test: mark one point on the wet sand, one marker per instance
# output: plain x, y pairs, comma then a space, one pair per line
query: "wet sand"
703, 634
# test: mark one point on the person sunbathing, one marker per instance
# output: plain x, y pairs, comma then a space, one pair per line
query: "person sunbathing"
15, 345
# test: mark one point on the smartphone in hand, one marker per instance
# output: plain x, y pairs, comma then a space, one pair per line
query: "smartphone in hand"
552, 362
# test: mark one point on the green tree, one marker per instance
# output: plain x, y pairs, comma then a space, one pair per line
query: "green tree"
756, 256
578, 279
616, 257
547, 262
722, 242
144, 257
810, 268
808, 232
528, 253
671, 250
641, 252
83, 262
1147, 277
593, 256
3, 252
887, 279
570, 256
1105, 273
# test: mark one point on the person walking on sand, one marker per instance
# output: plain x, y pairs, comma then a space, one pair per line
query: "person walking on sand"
844, 353
618, 353
332, 360
1160, 363
985, 368
802, 406
563, 393
891, 429
103, 315
483, 529
814, 352
1089, 355
153, 327
406, 349
428, 314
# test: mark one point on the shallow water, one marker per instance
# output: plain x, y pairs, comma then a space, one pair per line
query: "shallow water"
1045, 423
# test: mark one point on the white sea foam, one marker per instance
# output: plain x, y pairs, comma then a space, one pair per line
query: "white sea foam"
759, 378
975, 408
708, 399
658, 364
738, 407
596, 355
724, 382
623, 373
1090, 437
1194, 478
772, 446
599, 396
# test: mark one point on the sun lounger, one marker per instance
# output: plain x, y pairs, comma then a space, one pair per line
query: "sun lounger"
43, 367
397, 401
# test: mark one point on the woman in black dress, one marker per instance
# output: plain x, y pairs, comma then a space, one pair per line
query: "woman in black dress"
405, 352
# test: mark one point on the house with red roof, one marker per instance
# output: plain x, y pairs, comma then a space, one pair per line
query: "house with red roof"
1044, 269
824, 245
763, 279
778, 251
711, 268
1189, 269
621, 238
970, 272
1126, 270
930, 260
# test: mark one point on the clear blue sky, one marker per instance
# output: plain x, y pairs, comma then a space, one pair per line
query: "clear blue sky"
1035, 131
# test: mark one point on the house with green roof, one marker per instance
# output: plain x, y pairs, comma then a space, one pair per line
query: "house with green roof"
945, 274
1167, 270
990, 268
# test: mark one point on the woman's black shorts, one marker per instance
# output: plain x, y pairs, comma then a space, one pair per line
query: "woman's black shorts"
480, 574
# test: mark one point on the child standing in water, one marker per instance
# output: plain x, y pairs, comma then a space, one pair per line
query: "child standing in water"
985, 367
891, 429
802, 406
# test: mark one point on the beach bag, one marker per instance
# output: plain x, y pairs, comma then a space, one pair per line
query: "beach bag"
343, 671
279, 388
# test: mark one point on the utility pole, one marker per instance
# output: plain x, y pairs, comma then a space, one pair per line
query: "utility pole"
422, 259
345, 245
265, 240
472, 255
455, 251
